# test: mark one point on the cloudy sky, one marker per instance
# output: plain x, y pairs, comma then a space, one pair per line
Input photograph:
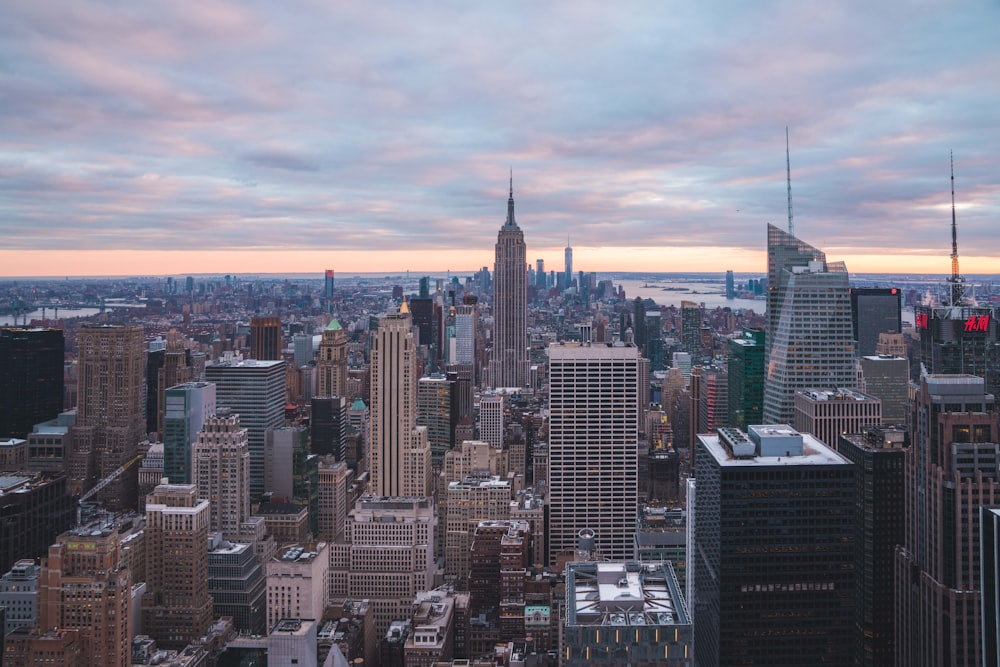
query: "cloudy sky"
197, 135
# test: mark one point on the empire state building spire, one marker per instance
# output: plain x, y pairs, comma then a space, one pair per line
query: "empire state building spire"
509, 360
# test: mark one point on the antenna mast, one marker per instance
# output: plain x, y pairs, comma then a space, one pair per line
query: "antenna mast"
957, 287
788, 166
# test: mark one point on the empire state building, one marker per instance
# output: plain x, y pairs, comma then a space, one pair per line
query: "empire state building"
509, 362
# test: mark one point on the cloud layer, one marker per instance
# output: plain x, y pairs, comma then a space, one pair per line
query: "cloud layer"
387, 126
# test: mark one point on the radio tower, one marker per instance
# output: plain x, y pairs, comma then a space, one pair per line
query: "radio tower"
956, 280
788, 166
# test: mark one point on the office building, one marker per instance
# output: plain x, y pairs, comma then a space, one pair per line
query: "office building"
827, 413
328, 426
221, 461
653, 322
476, 498
386, 556
334, 498
509, 359
254, 390
292, 641
874, 311
437, 411
19, 596
31, 378
238, 585
398, 454
878, 455
625, 613
961, 339
186, 407
328, 283
302, 349
887, 378
567, 281
177, 608
84, 587
34, 509
810, 342
491, 420
465, 336
951, 469
593, 445
286, 473
746, 378
265, 338
331, 364
168, 366
713, 399
989, 522
781, 593
540, 274
110, 420
298, 582
730, 285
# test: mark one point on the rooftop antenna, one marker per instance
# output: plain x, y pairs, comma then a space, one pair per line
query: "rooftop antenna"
788, 167
957, 283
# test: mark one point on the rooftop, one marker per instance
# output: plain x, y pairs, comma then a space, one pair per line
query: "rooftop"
623, 594
813, 451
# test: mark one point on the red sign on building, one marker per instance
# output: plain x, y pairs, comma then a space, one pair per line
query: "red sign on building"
977, 323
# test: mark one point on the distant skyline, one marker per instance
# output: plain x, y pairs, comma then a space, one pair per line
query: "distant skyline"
201, 136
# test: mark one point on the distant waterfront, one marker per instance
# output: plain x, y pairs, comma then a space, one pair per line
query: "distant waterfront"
712, 294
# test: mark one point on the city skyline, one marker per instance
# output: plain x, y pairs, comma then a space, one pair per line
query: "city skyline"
167, 139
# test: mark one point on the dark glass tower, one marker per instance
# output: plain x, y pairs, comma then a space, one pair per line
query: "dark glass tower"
746, 378
31, 378
874, 310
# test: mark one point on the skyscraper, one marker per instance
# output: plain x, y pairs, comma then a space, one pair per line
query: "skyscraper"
31, 378
186, 408
509, 362
568, 280
773, 550
175, 369
84, 585
746, 378
593, 445
110, 419
951, 469
540, 273
254, 390
221, 463
265, 338
691, 328
874, 310
328, 278
328, 426
177, 607
398, 454
810, 342
332, 362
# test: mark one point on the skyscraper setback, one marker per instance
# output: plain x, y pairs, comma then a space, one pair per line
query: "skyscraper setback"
509, 362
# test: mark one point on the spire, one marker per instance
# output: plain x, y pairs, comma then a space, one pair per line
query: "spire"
956, 281
788, 167
404, 308
511, 223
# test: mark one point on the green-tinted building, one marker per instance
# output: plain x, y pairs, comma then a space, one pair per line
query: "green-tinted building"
746, 378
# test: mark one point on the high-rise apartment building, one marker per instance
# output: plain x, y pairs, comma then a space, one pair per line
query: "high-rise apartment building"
773, 550
387, 555
31, 378
509, 360
874, 311
951, 469
265, 338
254, 390
810, 342
186, 407
878, 455
593, 445
826, 413
331, 365
746, 378
221, 471
691, 318
110, 421
398, 454
177, 607
83, 586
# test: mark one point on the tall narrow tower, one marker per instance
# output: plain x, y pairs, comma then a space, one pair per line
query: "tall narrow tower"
569, 265
398, 453
509, 363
